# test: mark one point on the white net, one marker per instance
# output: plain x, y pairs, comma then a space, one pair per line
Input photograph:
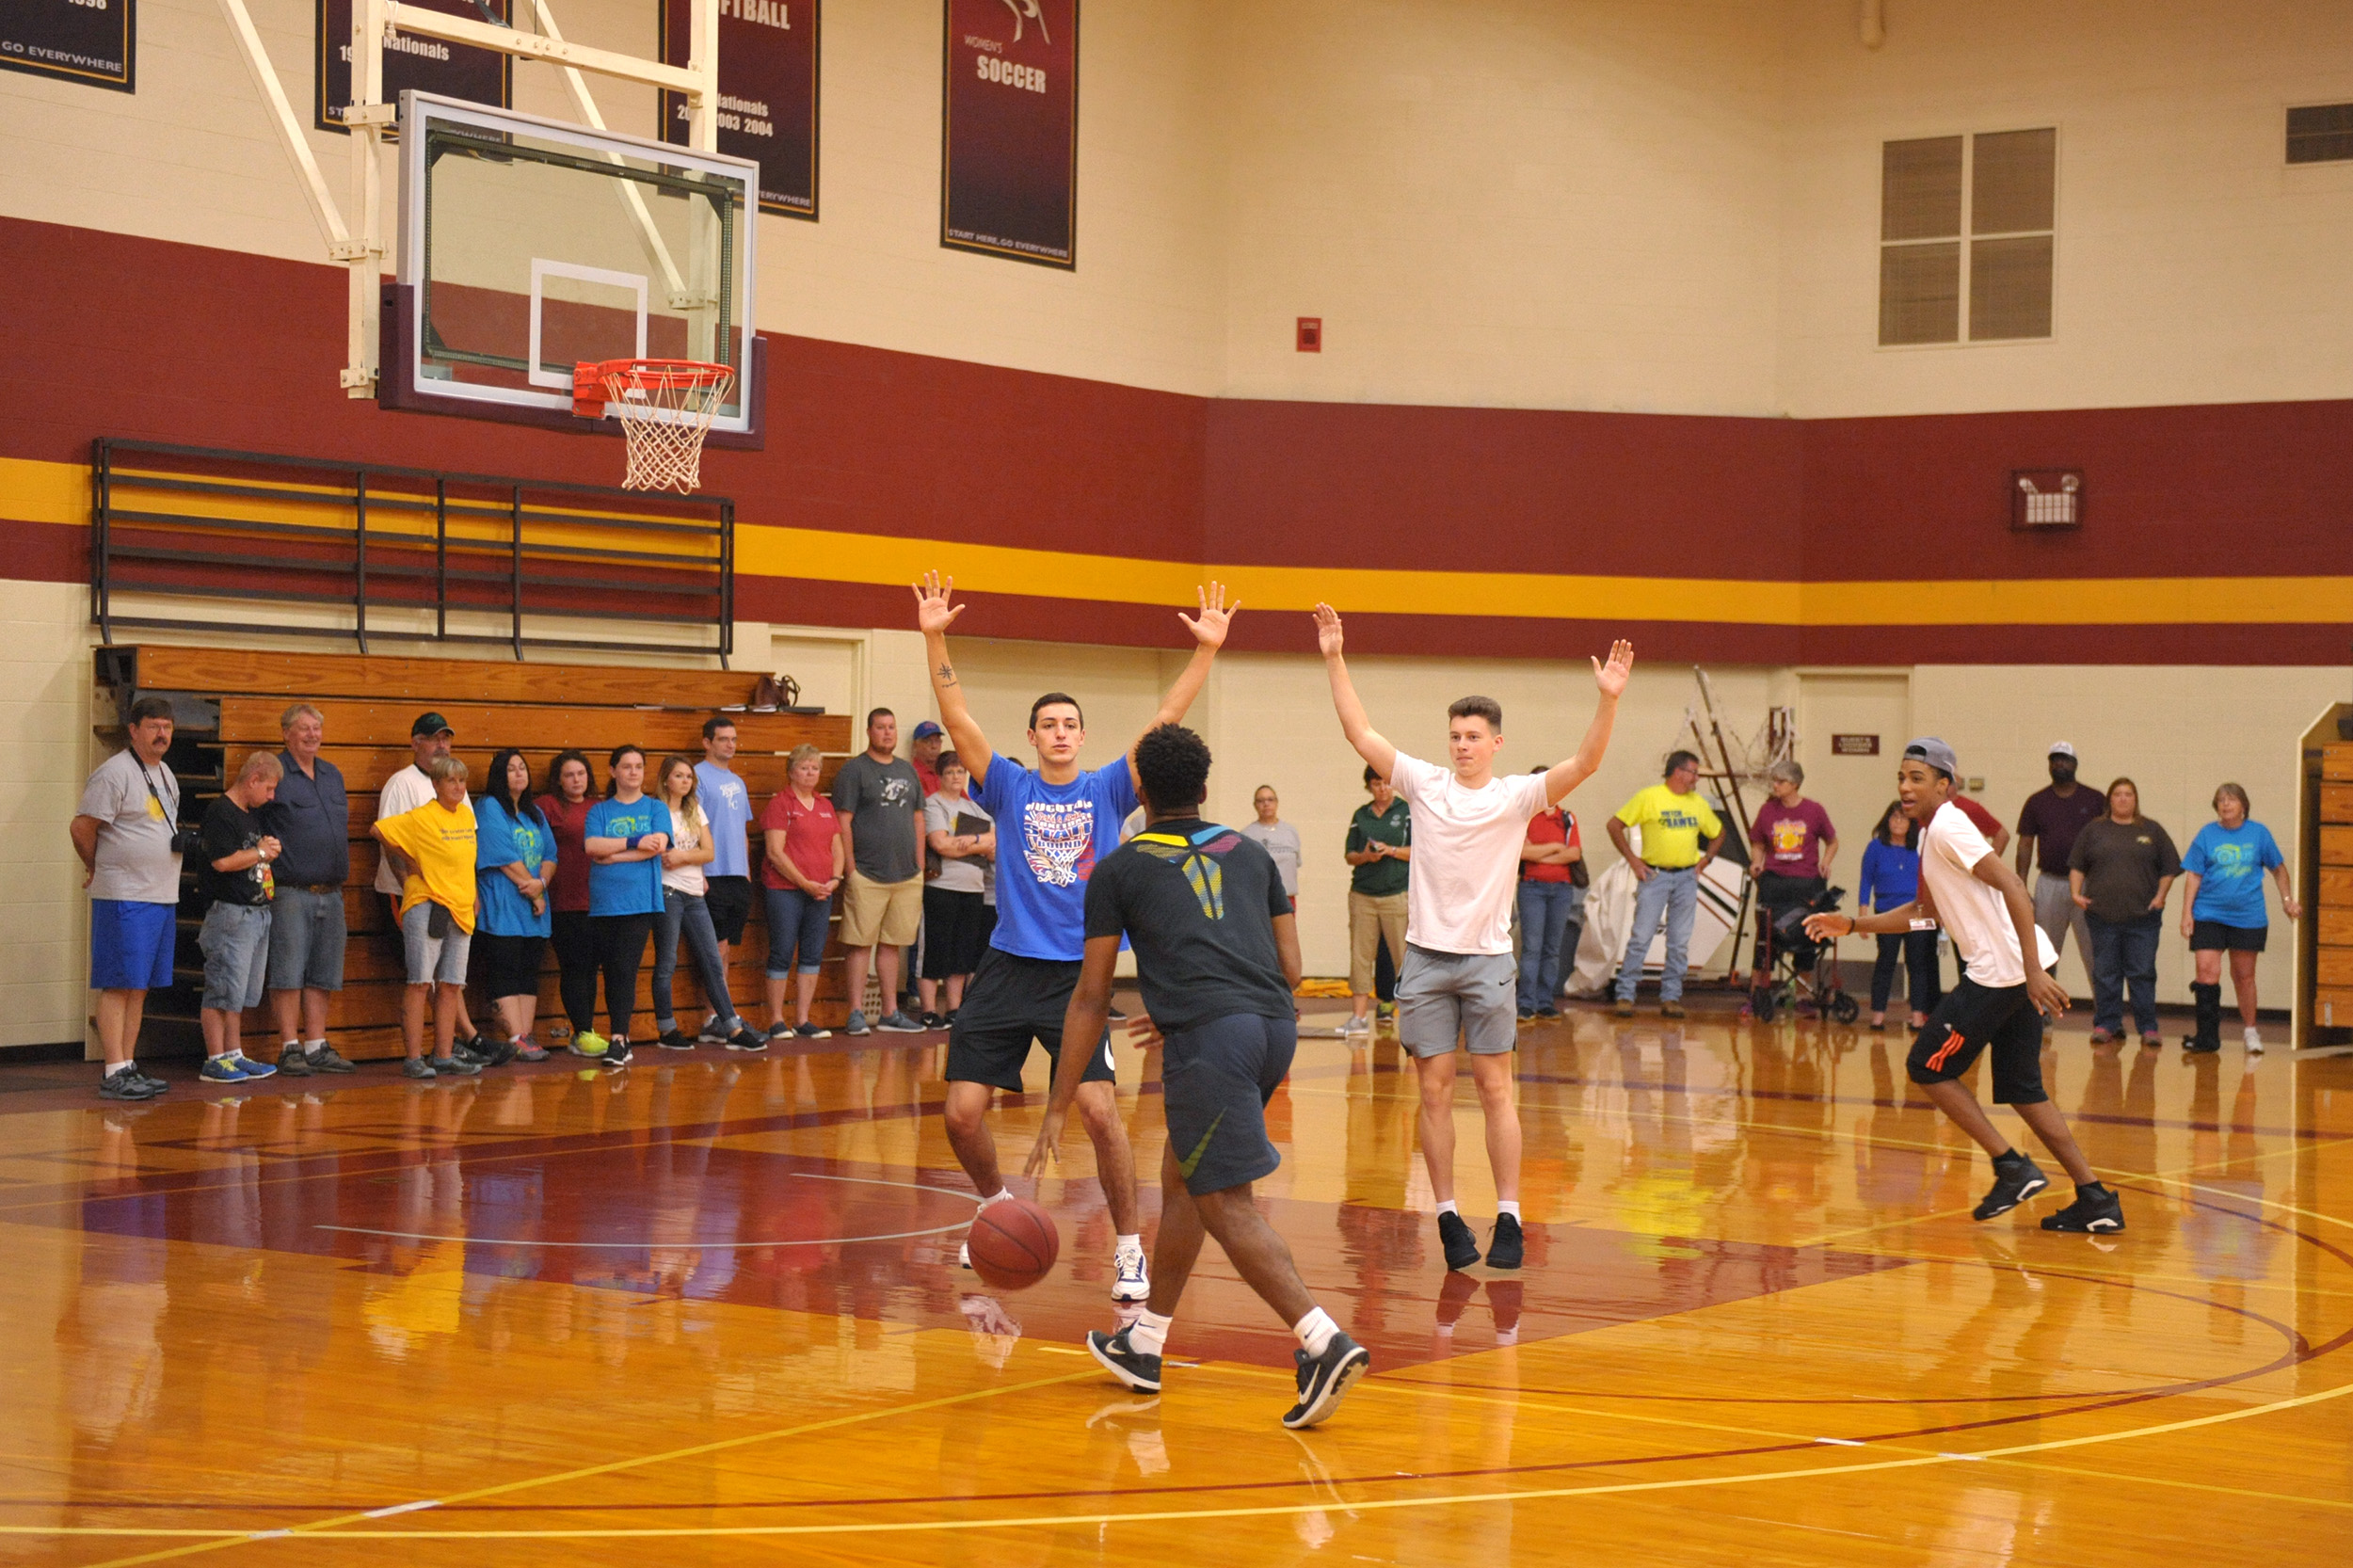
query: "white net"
665, 407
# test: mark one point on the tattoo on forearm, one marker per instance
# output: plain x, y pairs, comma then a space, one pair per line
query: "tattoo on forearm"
946, 674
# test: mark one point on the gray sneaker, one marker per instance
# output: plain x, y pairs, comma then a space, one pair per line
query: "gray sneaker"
454, 1065
326, 1059
856, 1024
417, 1066
718, 1031
293, 1062
899, 1023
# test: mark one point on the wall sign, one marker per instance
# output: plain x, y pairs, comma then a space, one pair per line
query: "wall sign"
1854, 745
1009, 130
92, 41
767, 93
426, 64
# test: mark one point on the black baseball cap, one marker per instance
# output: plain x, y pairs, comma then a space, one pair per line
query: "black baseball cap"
430, 724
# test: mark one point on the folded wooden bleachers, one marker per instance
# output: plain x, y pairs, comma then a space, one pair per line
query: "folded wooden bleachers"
369, 702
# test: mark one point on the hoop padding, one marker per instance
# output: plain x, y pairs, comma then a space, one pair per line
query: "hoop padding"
665, 408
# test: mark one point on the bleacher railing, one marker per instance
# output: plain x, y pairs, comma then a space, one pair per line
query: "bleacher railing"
253, 542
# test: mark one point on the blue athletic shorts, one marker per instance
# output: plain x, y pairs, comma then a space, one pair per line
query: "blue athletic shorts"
1215, 1081
131, 944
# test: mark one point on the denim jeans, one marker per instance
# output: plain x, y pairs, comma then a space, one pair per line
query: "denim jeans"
2125, 952
1545, 909
1675, 897
685, 913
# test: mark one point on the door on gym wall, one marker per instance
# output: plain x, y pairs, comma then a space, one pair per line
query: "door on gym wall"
1841, 717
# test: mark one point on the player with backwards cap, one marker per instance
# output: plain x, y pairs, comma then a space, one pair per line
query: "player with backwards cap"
1217, 955
1053, 825
1999, 1003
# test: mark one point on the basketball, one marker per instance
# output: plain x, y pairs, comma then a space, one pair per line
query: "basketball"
1013, 1243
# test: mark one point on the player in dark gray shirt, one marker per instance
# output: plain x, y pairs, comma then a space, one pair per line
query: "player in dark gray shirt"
1217, 958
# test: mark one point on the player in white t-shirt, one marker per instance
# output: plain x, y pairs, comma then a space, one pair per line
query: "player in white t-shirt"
1999, 1002
1459, 979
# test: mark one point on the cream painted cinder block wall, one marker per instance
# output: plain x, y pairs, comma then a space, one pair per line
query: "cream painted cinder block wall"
2193, 264
2175, 731
1519, 203
45, 734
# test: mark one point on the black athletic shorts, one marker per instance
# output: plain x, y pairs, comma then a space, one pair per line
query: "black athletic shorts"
1973, 1017
2214, 937
1215, 1081
729, 898
1009, 1002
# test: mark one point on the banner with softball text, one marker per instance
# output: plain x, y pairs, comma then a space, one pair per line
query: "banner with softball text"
767, 93
1009, 137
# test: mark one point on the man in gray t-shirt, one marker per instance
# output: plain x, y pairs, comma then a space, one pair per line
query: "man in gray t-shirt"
878, 796
123, 830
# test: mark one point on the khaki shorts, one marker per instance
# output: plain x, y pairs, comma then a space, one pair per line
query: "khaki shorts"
887, 912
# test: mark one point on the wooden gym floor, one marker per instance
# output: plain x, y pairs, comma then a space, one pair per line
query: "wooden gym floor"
707, 1310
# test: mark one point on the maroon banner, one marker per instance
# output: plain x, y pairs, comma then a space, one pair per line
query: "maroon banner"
767, 93
92, 41
1009, 130
425, 64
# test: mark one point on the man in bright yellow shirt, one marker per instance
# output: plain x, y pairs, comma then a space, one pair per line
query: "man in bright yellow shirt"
437, 913
1680, 836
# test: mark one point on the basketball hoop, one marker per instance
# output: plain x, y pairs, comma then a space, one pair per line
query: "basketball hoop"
665, 407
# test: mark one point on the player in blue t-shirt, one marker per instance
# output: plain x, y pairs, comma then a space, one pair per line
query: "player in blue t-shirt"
2224, 912
1053, 824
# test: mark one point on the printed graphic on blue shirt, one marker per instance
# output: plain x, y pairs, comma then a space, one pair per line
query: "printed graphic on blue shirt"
1060, 832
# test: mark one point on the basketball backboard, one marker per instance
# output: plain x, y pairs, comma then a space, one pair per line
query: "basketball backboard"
527, 246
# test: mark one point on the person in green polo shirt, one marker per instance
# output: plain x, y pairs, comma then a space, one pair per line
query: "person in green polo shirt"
1380, 848
1681, 834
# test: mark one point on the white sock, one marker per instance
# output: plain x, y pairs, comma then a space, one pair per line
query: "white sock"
118, 1067
311, 1048
1510, 1207
1129, 1243
1447, 1208
1001, 1194
1149, 1331
1315, 1332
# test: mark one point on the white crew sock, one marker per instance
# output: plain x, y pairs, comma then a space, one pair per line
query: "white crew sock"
311, 1048
1447, 1208
122, 1066
1001, 1192
1129, 1243
1315, 1332
1149, 1331
1510, 1207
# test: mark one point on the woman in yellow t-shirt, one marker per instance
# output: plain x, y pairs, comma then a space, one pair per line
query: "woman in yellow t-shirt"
436, 845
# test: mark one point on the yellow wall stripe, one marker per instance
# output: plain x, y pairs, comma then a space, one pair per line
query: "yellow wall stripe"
36, 492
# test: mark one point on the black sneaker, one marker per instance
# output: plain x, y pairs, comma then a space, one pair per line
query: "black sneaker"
1130, 1365
1503, 1247
934, 1020
673, 1038
1324, 1378
127, 1085
811, 1032
2199, 1044
488, 1052
2023, 1181
293, 1062
1117, 1016
1462, 1248
748, 1039
2096, 1208
615, 1052
326, 1059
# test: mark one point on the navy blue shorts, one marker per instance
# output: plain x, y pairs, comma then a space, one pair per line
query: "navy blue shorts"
131, 944
1215, 1081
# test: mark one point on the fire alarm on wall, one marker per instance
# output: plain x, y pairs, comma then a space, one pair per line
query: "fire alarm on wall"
1311, 334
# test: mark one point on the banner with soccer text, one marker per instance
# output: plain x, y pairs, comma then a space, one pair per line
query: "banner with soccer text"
767, 93
1009, 134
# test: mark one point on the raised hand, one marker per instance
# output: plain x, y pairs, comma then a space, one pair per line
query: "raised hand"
1612, 677
1327, 630
1216, 615
932, 613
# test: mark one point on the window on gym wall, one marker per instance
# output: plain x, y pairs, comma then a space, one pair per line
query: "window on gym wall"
2320, 134
1965, 237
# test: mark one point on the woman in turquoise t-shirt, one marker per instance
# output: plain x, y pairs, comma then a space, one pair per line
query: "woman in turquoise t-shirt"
625, 836
2224, 912
514, 862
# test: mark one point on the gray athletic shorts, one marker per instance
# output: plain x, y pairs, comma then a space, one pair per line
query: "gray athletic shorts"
1442, 996
1215, 1081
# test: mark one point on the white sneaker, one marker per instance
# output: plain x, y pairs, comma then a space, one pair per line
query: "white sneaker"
964, 1255
1131, 1284
2254, 1039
